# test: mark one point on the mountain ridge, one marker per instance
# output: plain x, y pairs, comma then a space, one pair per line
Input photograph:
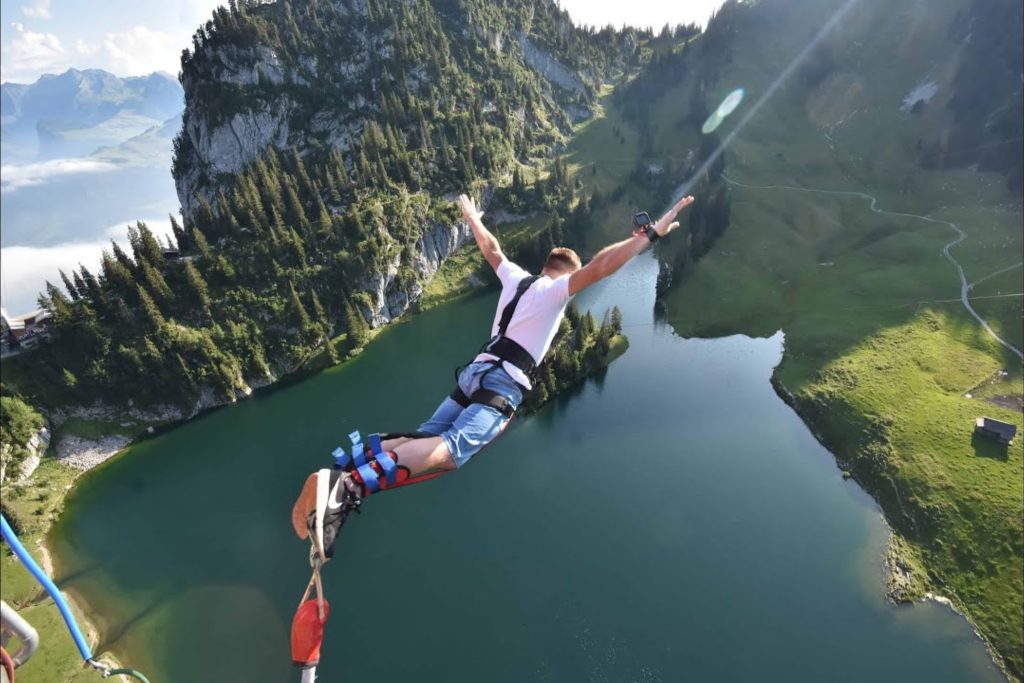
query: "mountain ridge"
52, 117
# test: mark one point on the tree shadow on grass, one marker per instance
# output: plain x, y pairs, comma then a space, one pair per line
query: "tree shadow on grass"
985, 447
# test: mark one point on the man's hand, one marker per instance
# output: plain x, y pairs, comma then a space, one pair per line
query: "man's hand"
666, 224
489, 246
469, 210
614, 256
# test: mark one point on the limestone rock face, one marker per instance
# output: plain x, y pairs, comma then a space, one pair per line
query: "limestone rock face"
549, 67
389, 296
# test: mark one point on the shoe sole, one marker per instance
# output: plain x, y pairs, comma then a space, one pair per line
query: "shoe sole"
304, 505
312, 500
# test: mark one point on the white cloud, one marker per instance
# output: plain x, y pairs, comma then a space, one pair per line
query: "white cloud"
14, 176
137, 51
32, 53
39, 9
26, 269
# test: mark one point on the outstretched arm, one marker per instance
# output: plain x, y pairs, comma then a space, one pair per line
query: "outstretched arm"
614, 256
487, 242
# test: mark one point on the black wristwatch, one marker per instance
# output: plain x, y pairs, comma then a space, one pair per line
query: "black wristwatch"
642, 221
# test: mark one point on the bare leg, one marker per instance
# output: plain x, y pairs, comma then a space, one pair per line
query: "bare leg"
422, 455
392, 444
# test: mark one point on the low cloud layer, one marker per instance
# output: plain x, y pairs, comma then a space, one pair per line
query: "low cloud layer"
14, 176
25, 270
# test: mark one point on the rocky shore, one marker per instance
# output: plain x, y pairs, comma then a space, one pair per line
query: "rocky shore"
84, 454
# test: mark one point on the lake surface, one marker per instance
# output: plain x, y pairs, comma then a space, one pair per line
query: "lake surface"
673, 521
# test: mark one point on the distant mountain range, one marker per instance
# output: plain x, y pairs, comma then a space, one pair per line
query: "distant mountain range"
77, 112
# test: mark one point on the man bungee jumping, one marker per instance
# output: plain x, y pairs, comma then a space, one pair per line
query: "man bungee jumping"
488, 391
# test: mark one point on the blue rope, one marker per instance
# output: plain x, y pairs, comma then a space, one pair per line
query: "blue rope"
51, 588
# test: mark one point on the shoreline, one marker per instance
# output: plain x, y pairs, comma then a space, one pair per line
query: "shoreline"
82, 616
901, 574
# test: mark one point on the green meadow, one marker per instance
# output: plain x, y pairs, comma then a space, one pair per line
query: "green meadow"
882, 360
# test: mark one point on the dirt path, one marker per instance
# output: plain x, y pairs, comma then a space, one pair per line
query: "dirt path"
965, 286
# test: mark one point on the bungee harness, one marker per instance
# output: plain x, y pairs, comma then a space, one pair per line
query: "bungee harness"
505, 349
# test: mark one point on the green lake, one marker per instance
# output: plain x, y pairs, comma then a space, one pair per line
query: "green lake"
672, 520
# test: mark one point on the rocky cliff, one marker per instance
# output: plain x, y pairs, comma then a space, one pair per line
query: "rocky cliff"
244, 95
421, 97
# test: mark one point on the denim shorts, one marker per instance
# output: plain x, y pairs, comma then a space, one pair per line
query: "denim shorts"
467, 430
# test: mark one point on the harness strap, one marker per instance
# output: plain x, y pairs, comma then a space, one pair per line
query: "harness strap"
358, 454
368, 477
506, 348
510, 307
383, 459
484, 396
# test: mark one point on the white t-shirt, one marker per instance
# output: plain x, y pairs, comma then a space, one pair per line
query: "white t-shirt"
537, 316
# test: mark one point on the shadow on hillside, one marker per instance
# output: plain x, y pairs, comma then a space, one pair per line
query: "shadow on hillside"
987, 448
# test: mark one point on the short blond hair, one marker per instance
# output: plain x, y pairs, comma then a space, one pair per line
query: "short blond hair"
563, 259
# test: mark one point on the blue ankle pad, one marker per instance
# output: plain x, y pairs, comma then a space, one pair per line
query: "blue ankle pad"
369, 476
358, 456
340, 457
386, 463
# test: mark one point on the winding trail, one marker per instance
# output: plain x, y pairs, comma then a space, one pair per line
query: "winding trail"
992, 275
965, 286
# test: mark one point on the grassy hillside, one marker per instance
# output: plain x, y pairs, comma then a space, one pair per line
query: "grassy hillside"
880, 353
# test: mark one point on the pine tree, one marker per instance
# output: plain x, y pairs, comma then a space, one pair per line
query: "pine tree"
588, 324
293, 239
199, 288
57, 303
199, 239
318, 310
149, 248
91, 283
296, 214
149, 308
156, 283
305, 181
298, 312
616, 319
358, 332
180, 237
69, 286
116, 275
204, 215
80, 286
122, 257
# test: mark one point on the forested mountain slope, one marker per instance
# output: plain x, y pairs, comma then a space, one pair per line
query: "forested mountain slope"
448, 91
321, 143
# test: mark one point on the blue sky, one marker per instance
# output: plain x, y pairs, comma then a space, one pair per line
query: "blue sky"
126, 37
133, 37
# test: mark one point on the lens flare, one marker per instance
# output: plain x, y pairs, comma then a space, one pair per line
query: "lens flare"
728, 106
